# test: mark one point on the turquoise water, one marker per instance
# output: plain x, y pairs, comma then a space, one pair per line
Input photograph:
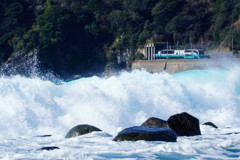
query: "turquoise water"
215, 75
32, 106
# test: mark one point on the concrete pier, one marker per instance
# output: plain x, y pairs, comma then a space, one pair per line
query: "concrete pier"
178, 65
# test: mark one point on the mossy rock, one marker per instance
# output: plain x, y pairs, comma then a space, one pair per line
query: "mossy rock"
81, 130
154, 122
210, 124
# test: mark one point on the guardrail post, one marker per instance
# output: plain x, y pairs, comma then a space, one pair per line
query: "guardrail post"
154, 52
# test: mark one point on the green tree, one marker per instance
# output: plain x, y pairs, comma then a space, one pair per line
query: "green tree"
16, 17
163, 11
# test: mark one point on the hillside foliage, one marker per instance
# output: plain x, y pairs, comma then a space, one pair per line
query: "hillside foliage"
81, 35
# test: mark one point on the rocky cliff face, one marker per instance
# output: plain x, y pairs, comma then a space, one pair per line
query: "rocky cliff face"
20, 63
27, 65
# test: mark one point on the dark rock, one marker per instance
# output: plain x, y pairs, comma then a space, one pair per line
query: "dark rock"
155, 123
81, 130
210, 124
44, 136
231, 133
49, 148
184, 124
147, 134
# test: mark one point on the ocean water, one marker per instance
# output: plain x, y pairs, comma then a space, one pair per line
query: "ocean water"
31, 107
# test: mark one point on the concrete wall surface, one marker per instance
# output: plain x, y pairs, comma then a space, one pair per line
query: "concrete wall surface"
178, 65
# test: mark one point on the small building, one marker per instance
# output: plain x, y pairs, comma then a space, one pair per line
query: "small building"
151, 49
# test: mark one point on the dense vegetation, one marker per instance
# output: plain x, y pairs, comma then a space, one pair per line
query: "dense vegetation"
82, 35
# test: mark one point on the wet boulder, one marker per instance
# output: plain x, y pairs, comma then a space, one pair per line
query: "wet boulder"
155, 123
43, 136
184, 124
147, 134
49, 148
210, 124
81, 130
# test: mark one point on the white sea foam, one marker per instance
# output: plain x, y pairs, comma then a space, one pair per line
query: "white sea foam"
31, 106
109, 103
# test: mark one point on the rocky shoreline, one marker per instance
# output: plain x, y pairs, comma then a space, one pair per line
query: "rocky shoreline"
153, 129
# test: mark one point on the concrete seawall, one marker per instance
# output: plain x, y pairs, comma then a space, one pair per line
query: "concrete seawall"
178, 65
